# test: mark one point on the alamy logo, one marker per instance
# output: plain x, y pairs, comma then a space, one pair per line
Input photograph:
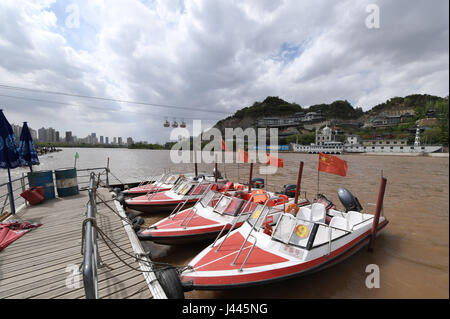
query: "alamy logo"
214, 145
373, 279
73, 279
73, 18
373, 19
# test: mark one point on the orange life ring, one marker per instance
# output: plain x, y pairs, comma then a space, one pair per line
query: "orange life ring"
291, 207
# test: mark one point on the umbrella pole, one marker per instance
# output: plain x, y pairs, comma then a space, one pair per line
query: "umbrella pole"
11, 195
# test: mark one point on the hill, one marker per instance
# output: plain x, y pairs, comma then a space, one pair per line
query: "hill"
273, 106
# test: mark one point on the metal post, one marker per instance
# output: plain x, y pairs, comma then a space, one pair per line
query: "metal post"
377, 212
22, 182
299, 180
11, 196
107, 171
250, 178
215, 172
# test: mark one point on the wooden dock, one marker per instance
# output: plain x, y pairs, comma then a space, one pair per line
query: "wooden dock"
43, 263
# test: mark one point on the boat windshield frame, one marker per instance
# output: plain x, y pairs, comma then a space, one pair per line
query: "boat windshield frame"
230, 200
177, 190
312, 226
208, 198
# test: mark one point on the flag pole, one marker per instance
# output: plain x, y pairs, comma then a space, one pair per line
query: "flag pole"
299, 180
318, 174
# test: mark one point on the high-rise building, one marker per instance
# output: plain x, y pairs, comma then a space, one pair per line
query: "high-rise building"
94, 139
51, 135
43, 135
114, 140
101, 139
33, 133
120, 141
69, 138
57, 136
129, 141
106, 140
17, 129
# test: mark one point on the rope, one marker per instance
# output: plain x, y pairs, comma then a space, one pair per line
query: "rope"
113, 210
152, 264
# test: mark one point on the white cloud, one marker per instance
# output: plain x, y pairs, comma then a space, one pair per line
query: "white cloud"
216, 55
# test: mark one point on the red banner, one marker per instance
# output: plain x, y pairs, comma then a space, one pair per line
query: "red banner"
243, 156
274, 161
332, 164
224, 147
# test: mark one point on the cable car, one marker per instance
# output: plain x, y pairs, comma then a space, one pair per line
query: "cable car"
174, 124
166, 124
183, 124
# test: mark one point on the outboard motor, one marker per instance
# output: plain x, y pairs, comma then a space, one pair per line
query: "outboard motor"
289, 190
258, 182
201, 176
218, 173
348, 200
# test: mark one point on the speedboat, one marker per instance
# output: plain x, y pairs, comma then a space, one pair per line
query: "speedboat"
183, 195
298, 244
164, 183
215, 213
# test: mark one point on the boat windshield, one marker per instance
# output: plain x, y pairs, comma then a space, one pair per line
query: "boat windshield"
229, 205
172, 179
209, 199
293, 231
183, 188
198, 189
258, 215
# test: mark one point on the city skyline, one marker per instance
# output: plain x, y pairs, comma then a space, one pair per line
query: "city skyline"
50, 135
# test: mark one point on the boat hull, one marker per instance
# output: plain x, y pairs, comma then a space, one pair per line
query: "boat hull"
157, 208
179, 239
140, 192
247, 277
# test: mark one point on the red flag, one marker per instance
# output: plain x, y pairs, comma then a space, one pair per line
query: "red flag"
274, 161
332, 164
224, 147
243, 156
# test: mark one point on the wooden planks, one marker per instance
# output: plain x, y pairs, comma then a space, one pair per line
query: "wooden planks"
39, 264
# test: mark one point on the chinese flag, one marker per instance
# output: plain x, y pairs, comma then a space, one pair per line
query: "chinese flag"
274, 161
243, 156
332, 164
224, 146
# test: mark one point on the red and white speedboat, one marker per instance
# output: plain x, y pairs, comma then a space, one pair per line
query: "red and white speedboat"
162, 184
186, 193
213, 214
298, 245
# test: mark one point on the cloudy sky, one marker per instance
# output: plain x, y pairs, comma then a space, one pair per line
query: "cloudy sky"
204, 59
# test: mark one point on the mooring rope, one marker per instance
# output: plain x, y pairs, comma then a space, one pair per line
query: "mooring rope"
106, 238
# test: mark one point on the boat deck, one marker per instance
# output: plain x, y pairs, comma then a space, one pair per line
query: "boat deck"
42, 264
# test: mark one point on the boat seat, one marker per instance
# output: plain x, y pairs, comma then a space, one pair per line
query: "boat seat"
339, 222
318, 212
304, 213
354, 218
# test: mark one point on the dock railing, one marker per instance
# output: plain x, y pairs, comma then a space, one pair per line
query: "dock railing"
20, 184
6, 198
91, 259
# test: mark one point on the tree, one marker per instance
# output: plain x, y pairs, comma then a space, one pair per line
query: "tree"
432, 136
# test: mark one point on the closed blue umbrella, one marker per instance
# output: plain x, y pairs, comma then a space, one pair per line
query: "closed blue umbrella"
9, 152
26, 147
